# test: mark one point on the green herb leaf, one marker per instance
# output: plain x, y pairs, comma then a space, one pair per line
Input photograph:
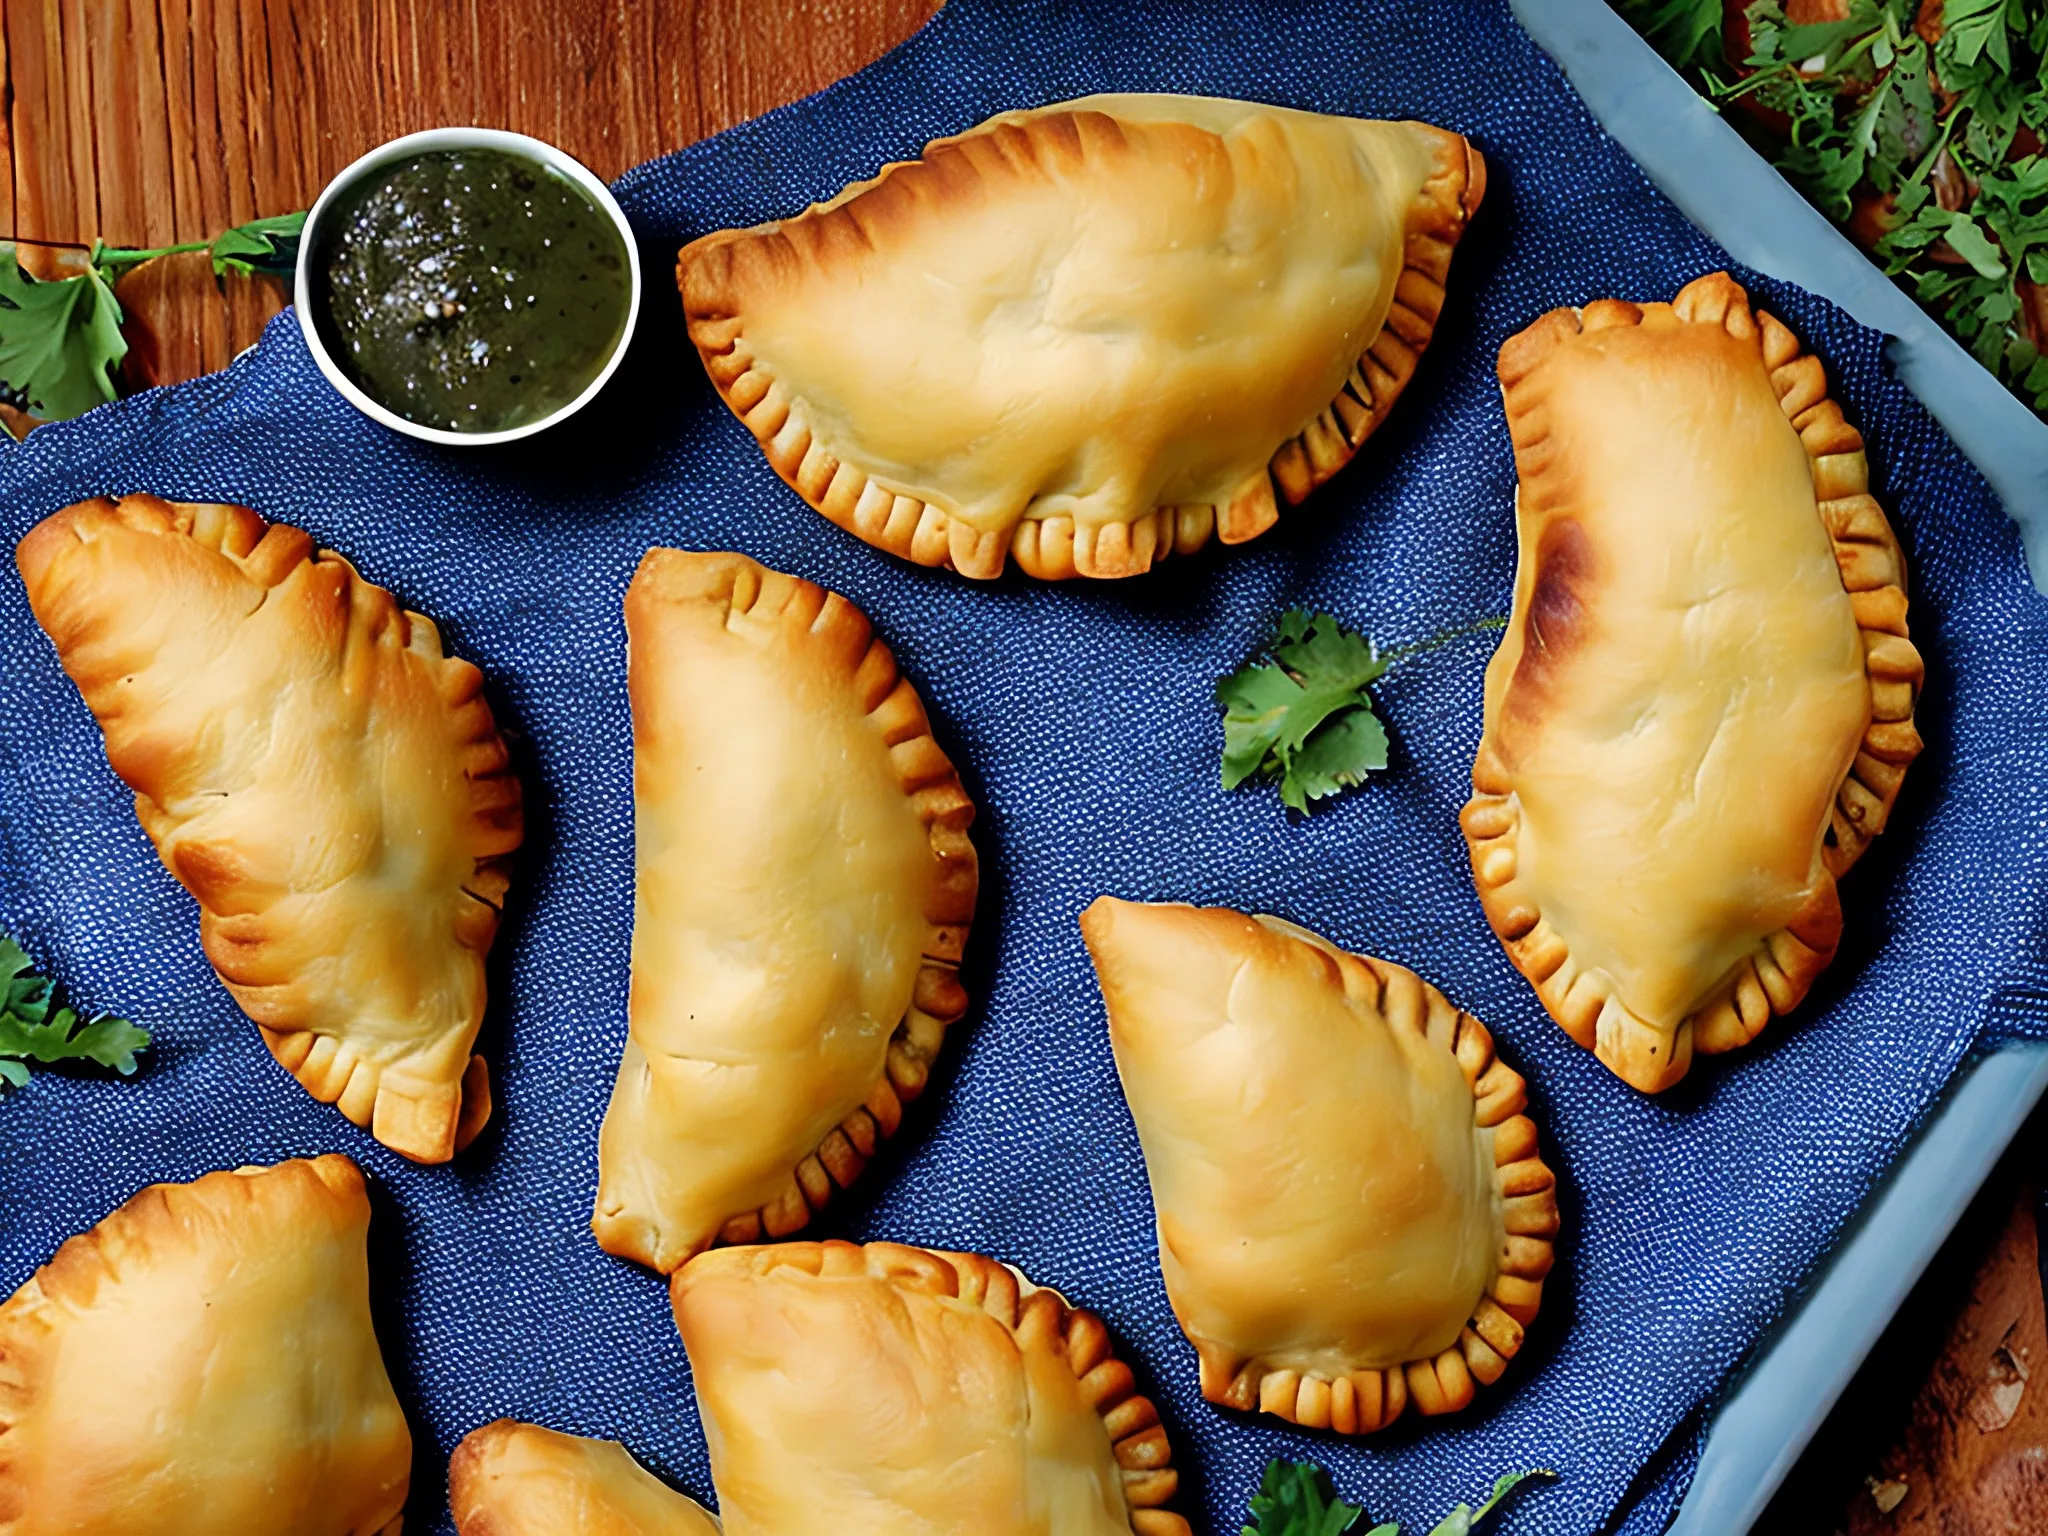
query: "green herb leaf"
1684, 31
1972, 28
1460, 1521
1974, 246
1301, 713
1336, 758
31, 1031
1295, 1499
60, 340
261, 248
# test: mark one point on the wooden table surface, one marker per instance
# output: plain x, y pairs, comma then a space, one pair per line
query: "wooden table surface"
150, 122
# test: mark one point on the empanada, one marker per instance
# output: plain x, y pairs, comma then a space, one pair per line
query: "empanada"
1091, 334
892, 1391
511, 1479
202, 1362
1703, 706
1353, 1213
805, 883
312, 768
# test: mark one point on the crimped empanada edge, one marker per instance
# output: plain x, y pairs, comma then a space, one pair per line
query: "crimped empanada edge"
1773, 979
931, 782
472, 1466
1053, 548
1031, 1313
104, 1251
1436, 221
428, 1128
1362, 1401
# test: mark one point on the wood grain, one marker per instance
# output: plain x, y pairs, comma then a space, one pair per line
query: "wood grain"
1974, 1453
151, 122
1944, 1431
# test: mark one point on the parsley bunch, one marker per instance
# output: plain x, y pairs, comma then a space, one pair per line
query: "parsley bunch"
30, 1031
1295, 1500
60, 338
1920, 127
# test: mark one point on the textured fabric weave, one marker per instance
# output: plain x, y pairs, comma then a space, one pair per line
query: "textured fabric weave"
1082, 720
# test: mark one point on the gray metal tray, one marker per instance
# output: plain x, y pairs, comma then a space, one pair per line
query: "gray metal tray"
1765, 1418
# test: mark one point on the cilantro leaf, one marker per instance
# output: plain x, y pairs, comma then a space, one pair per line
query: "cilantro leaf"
1334, 666
1684, 31
261, 248
60, 340
1459, 1522
1301, 714
1974, 246
1336, 758
1255, 703
31, 1031
1974, 28
1294, 1499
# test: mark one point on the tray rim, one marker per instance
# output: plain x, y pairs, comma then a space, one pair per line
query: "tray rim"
1772, 1407
1767, 1413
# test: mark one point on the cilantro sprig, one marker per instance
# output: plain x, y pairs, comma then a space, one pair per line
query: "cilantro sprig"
1919, 128
60, 338
1295, 1499
60, 341
1299, 711
31, 1030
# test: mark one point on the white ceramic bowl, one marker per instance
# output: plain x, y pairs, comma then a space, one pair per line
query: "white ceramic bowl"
458, 138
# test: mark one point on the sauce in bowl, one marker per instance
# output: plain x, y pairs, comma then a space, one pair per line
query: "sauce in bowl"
470, 290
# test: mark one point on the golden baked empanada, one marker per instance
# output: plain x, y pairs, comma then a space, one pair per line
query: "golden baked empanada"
511, 1479
202, 1362
1353, 1213
1703, 706
805, 882
314, 770
1091, 334
883, 1390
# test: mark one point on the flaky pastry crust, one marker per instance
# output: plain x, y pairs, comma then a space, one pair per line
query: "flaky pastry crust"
1041, 1327
1558, 619
1122, 224
513, 1479
203, 1361
1202, 1002
806, 883
315, 770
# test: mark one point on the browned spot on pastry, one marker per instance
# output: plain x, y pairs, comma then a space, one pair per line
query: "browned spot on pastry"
1558, 620
1710, 315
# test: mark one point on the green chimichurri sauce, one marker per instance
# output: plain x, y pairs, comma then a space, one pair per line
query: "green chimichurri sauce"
471, 290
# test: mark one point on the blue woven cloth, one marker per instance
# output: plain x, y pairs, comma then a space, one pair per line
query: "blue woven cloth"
1082, 720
